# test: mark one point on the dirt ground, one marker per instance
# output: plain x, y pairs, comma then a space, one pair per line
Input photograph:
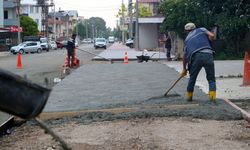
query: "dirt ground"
134, 134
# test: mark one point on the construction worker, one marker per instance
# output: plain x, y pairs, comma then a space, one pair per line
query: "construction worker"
198, 53
71, 50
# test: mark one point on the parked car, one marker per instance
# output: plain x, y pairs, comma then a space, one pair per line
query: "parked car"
130, 43
25, 47
86, 41
76, 43
100, 43
53, 45
43, 40
44, 43
61, 44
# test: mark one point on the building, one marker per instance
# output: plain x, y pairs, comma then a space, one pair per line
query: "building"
149, 27
29, 8
8, 21
62, 23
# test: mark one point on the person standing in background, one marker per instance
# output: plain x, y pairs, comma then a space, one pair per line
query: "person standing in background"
71, 50
168, 46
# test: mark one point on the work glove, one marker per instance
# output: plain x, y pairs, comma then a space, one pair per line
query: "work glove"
184, 72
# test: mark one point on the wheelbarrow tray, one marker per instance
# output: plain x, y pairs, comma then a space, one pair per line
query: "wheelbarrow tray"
143, 58
21, 97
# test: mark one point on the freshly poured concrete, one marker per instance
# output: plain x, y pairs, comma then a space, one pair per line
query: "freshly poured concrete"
139, 86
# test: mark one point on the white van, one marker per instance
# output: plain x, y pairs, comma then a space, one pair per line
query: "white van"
111, 39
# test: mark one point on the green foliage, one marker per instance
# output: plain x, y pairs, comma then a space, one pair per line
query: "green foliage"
231, 16
29, 26
144, 11
80, 29
98, 25
93, 27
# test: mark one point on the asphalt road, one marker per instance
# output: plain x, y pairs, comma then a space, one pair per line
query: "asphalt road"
37, 67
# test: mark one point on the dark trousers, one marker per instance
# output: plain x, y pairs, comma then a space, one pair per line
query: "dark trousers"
200, 60
71, 58
168, 48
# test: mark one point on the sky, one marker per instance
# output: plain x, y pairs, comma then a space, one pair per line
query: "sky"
105, 9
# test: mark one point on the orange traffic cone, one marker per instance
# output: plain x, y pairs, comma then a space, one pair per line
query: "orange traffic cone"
66, 62
19, 62
126, 58
246, 76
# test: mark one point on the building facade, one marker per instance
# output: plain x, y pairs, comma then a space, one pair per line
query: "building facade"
8, 19
62, 24
30, 9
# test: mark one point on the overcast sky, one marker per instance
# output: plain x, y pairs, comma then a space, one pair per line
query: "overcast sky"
106, 9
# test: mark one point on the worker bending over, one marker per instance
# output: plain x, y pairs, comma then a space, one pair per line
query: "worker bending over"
198, 53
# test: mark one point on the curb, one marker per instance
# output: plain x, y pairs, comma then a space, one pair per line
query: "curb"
2, 54
245, 114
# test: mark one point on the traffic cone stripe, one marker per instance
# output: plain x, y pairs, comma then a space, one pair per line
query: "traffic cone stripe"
246, 76
126, 58
19, 62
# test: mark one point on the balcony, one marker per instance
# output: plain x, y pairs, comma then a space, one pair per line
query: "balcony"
10, 22
8, 4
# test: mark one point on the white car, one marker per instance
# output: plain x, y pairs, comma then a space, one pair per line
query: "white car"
44, 43
53, 45
100, 43
130, 43
86, 41
25, 47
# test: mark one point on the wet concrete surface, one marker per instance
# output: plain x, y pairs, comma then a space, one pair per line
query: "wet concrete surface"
135, 86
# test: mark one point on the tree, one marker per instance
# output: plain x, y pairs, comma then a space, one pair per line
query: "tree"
98, 26
29, 26
144, 11
80, 30
232, 18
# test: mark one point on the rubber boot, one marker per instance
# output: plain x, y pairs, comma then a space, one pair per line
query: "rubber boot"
212, 96
189, 96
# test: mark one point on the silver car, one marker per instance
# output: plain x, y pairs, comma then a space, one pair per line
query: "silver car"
26, 47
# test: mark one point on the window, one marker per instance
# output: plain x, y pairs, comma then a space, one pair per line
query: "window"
31, 9
6, 14
37, 10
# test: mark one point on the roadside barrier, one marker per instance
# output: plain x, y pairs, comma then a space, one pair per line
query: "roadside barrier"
126, 58
246, 76
19, 62
76, 61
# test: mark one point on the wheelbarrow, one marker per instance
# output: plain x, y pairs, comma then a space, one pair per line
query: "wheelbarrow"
22, 98
145, 58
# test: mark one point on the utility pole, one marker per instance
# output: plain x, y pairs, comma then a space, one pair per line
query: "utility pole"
131, 19
137, 26
123, 23
54, 19
45, 10
18, 21
86, 24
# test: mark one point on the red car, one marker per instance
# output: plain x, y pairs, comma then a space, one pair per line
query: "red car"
61, 44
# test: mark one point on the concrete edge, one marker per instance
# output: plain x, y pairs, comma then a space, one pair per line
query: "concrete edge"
244, 113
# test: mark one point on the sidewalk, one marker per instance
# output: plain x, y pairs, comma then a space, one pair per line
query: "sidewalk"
117, 52
228, 82
4, 54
